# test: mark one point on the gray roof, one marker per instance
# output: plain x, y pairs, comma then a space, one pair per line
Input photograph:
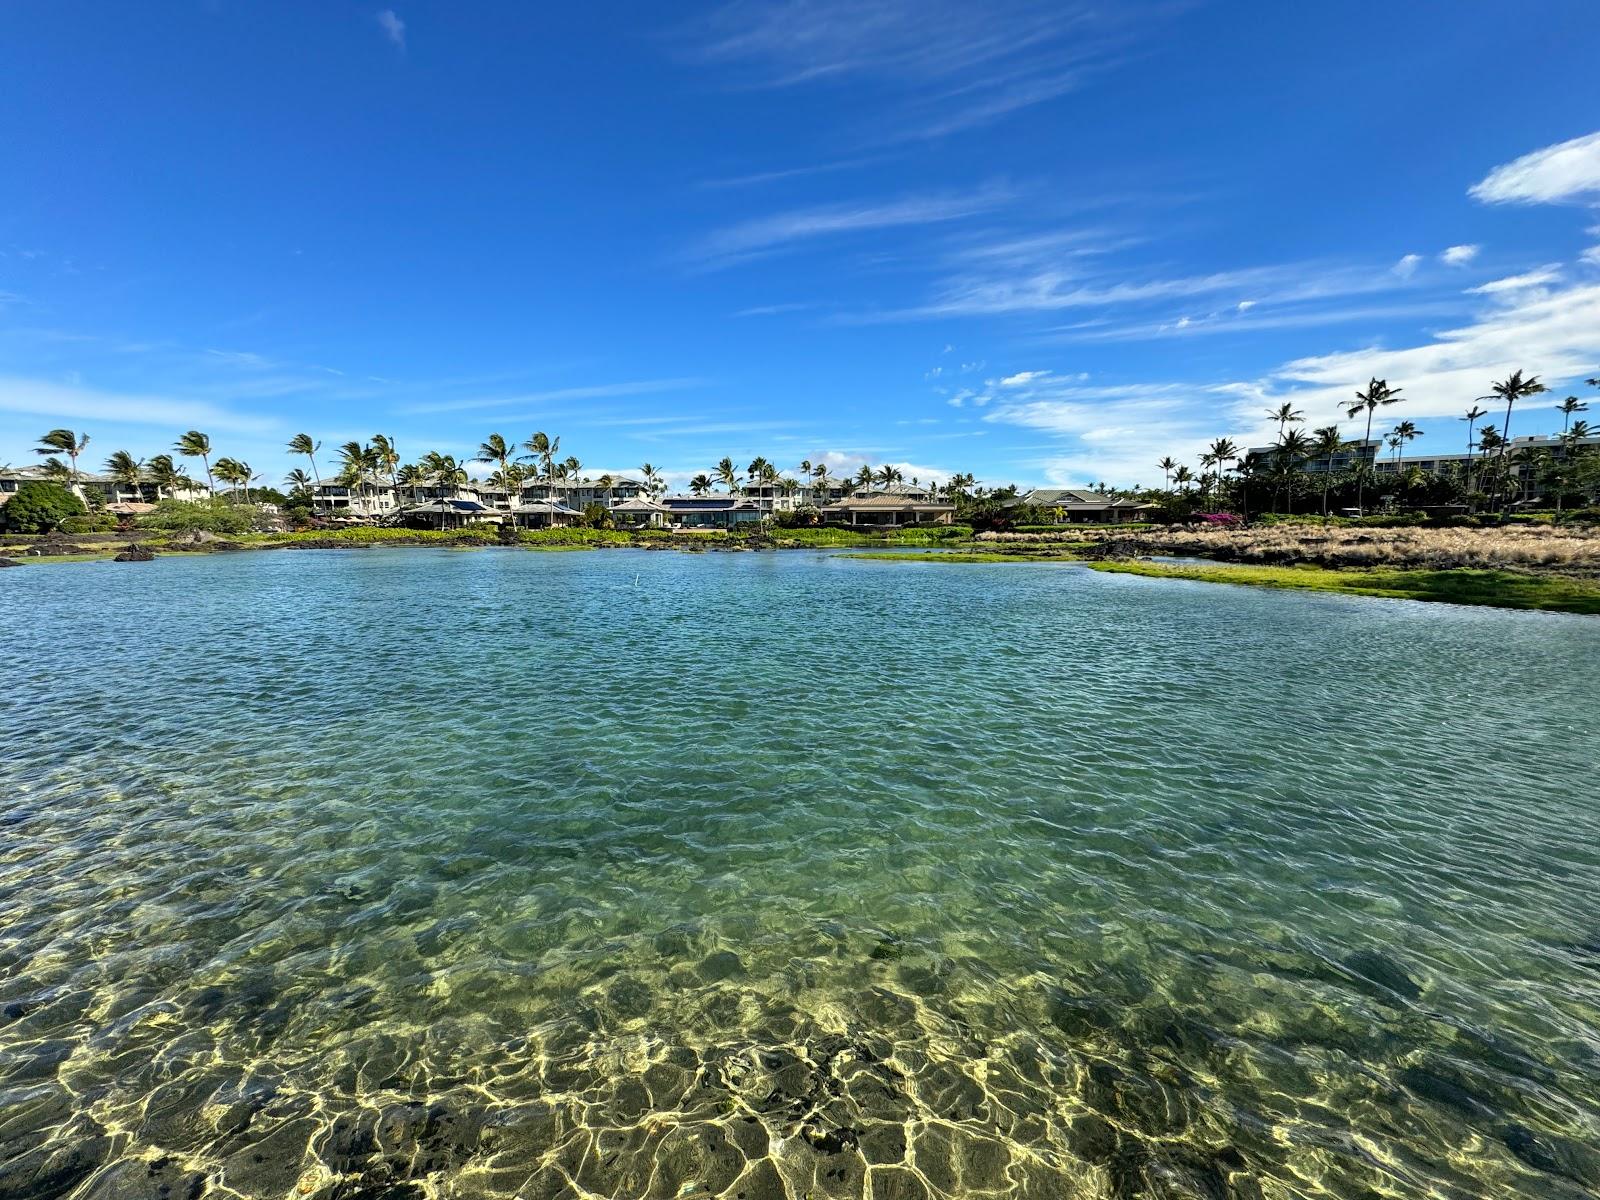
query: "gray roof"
466, 507
915, 491
1075, 500
639, 504
888, 503
548, 508
707, 503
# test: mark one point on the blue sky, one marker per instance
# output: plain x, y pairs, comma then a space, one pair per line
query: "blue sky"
1042, 242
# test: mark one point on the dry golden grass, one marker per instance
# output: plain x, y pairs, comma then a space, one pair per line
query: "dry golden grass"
1572, 550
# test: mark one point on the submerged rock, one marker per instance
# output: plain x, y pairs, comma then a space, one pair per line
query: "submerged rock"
9, 562
1376, 967
135, 553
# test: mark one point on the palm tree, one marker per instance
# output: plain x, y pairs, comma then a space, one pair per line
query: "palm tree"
493, 449
356, 464
301, 443
448, 476
1571, 447
1283, 414
652, 478
1183, 477
572, 469
758, 468
231, 470
386, 458
1166, 466
727, 476
1290, 450
889, 475
64, 441
411, 476
1566, 408
127, 471
509, 480
1474, 415
1489, 443
195, 444
1327, 444
1402, 434
1511, 389
1207, 462
57, 470
605, 483
1378, 395
1223, 451
700, 484
542, 448
297, 480
165, 474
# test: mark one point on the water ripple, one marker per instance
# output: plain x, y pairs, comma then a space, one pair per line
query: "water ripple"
438, 874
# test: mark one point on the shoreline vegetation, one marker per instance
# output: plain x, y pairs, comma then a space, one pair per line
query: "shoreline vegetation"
1549, 568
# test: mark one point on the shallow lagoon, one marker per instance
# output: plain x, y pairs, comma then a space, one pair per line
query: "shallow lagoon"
406, 873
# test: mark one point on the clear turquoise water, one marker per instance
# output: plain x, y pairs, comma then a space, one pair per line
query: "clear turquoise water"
415, 873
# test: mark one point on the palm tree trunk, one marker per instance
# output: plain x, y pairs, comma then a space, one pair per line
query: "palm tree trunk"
1361, 475
1505, 444
315, 474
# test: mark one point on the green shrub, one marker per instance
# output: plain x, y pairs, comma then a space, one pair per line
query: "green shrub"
94, 522
202, 516
39, 507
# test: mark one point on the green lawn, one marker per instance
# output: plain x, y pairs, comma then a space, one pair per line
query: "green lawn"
956, 556
1498, 589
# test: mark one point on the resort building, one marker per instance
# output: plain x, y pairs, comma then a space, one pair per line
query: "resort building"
712, 512
579, 494
1260, 458
544, 514
642, 512
1519, 453
451, 513
1069, 506
373, 497
103, 490
888, 510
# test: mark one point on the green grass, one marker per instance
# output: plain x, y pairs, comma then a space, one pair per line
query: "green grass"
1497, 589
913, 535
31, 559
955, 556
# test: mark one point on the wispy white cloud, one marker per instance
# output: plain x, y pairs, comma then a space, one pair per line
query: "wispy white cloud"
757, 178
947, 66
1539, 277
1022, 378
1552, 333
1565, 171
637, 387
771, 234
76, 401
773, 310
392, 26
1117, 431
1057, 288
1407, 266
1458, 256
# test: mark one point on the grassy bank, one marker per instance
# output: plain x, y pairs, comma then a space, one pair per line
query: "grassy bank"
955, 556
1493, 588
